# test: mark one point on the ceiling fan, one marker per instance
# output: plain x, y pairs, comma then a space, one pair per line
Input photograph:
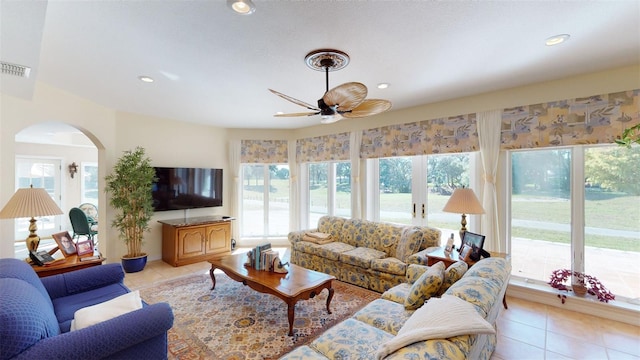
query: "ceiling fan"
346, 100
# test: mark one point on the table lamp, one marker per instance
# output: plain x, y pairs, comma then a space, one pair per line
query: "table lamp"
30, 202
463, 201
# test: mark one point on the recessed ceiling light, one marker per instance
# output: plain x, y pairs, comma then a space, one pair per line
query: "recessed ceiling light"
383, 85
279, 113
557, 39
145, 79
242, 7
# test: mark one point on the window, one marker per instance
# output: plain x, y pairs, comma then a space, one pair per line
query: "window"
265, 200
577, 208
329, 190
89, 173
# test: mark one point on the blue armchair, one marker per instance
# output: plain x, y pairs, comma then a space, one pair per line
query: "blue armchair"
36, 314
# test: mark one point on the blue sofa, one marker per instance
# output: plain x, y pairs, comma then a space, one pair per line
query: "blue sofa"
36, 314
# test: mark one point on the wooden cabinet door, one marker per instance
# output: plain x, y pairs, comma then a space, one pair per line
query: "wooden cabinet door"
219, 237
191, 242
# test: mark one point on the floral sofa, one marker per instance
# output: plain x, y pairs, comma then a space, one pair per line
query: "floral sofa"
458, 325
373, 255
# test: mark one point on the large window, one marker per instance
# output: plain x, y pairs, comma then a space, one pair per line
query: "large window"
577, 208
265, 200
329, 190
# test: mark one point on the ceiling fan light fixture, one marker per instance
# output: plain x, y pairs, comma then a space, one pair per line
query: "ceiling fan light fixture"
242, 7
557, 39
328, 119
383, 85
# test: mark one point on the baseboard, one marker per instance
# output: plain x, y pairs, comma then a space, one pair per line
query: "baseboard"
615, 310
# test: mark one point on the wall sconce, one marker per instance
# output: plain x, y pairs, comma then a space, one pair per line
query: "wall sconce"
73, 169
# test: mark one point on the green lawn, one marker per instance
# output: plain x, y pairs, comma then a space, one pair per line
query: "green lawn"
602, 210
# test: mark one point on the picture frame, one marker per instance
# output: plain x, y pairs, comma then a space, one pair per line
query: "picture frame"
465, 252
476, 242
65, 243
85, 247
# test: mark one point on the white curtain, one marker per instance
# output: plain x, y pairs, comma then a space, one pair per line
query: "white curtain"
294, 188
354, 149
489, 125
234, 204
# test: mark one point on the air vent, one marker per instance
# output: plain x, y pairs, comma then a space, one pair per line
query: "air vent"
15, 70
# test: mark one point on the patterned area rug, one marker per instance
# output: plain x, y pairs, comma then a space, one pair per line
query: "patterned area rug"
235, 322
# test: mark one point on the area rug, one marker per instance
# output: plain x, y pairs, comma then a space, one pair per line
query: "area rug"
235, 322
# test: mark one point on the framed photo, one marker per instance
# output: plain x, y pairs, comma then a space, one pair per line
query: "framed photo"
85, 247
465, 252
476, 242
65, 243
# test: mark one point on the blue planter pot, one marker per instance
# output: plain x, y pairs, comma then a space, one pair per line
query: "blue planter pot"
131, 265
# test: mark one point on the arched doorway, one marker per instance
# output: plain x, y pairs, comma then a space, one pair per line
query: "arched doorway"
63, 160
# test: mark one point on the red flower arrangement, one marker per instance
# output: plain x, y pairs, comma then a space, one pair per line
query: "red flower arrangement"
593, 285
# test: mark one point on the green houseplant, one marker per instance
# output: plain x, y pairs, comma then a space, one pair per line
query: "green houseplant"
130, 188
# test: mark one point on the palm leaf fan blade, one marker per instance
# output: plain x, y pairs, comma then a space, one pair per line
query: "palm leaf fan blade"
297, 114
369, 107
295, 101
347, 96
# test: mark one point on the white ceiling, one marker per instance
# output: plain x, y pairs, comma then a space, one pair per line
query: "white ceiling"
212, 66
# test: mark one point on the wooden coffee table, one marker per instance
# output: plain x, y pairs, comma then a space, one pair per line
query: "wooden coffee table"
298, 284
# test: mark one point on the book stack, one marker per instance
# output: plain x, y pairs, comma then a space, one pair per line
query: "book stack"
261, 257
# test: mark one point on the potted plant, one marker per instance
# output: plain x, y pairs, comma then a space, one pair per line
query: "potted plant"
130, 188
581, 285
630, 136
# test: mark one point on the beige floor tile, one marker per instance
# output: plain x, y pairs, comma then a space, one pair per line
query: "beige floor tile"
525, 312
508, 348
619, 355
622, 342
574, 348
550, 355
521, 332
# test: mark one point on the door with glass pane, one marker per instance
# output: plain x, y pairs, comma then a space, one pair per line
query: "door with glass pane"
265, 200
414, 189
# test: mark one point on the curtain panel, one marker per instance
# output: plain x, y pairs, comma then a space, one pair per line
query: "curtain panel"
334, 147
264, 152
598, 119
235, 204
437, 136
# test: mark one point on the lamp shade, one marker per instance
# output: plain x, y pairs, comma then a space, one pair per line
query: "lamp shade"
30, 202
463, 201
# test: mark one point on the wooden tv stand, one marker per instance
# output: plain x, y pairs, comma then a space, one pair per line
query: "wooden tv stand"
191, 240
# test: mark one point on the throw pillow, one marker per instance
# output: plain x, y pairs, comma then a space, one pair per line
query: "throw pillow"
409, 243
92, 315
439, 318
453, 273
425, 287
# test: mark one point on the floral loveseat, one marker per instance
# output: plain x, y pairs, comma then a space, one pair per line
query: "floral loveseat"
373, 255
458, 325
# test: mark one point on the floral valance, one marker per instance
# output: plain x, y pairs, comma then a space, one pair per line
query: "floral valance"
589, 120
442, 135
264, 151
333, 147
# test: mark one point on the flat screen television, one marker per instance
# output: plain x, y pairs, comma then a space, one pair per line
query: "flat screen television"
186, 188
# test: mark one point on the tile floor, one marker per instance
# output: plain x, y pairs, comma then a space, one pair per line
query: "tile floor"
527, 330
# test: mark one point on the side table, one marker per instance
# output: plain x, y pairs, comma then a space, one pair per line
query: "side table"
70, 263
